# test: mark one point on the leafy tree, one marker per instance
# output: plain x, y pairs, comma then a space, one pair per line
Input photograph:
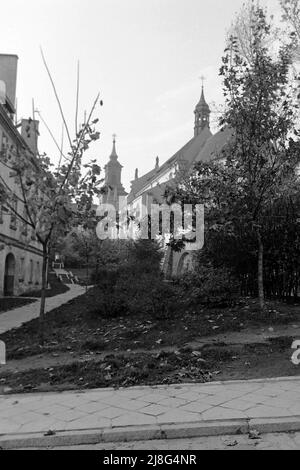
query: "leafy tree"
259, 164
291, 14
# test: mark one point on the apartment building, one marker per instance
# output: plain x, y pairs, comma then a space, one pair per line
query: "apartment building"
20, 253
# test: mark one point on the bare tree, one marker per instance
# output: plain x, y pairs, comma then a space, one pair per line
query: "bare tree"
43, 198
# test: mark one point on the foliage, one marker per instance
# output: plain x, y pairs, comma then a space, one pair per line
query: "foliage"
136, 285
291, 15
257, 174
210, 286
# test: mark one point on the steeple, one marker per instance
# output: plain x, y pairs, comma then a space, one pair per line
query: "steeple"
114, 156
202, 113
113, 170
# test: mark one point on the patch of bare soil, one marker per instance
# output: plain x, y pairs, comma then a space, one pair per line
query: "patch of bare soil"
208, 363
83, 349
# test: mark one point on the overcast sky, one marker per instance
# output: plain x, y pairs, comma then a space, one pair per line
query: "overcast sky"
145, 57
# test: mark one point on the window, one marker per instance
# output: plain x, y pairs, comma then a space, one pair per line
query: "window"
13, 217
25, 226
22, 270
4, 147
38, 273
31, 272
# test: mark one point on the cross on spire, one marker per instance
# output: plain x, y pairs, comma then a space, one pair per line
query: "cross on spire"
114, 138
202, 78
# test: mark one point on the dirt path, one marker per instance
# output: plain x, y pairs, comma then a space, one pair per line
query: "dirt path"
251, 335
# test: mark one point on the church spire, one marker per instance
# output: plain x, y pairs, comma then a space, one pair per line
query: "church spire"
113, 183
202, 113
114, 155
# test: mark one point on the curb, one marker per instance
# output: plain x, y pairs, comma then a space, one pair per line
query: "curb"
151, 432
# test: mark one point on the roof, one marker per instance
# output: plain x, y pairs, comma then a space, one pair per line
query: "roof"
214, 145
187, 153
202, 105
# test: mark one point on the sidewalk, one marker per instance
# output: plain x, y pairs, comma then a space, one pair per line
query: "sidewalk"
143, 413
15, 318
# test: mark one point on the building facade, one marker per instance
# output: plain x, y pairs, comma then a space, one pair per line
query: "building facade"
20, 253
150, 188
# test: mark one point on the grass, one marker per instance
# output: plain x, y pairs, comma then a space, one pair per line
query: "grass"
7, 304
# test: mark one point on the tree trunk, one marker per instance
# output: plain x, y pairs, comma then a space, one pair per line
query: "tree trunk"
87, 273
43, 292
260, 273
169, 270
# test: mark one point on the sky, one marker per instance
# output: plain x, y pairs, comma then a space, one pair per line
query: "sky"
144, 57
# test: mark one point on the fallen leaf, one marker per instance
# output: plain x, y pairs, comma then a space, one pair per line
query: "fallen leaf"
231, 443
254, 434
50, 433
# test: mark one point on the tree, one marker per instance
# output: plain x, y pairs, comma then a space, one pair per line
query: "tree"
291, 14
46, 196
260, 162
242, 29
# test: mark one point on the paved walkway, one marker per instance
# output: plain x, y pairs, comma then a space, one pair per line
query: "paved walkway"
139, 413
15, 318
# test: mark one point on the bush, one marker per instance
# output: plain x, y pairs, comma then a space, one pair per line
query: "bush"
150, 294
136, 286
209, 286
112, 302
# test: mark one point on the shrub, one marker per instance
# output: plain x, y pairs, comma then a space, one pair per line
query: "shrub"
209, 286
150, 294
136, 285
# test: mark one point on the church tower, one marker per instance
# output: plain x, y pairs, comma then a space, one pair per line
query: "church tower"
114, 187
202, 114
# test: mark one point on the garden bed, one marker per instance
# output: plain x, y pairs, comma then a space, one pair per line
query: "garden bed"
210, 363
85, 350
79, 327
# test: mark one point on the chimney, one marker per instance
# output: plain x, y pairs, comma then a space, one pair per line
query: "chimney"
8, 74
30, 133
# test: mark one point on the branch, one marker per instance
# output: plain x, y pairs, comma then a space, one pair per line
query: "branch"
77, 100
56, 96
52, 136
75, 154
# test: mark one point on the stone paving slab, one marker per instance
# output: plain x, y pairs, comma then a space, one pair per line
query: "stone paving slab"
15, 318
173, 411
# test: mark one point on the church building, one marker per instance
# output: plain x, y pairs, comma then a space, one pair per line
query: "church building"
150, 188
